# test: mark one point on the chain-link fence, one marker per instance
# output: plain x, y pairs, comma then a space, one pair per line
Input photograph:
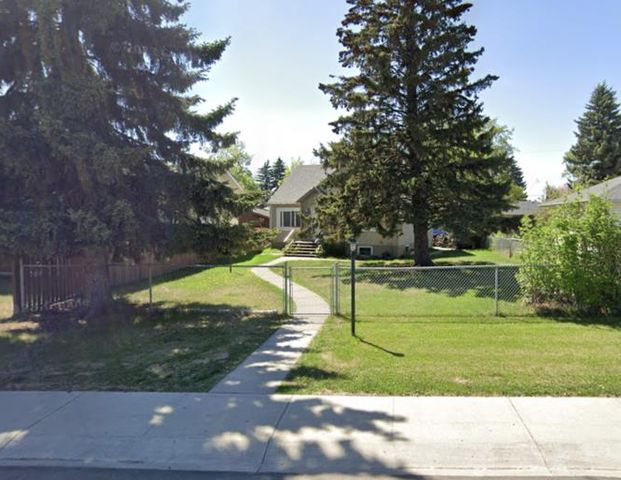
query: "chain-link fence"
456, 291
218, 288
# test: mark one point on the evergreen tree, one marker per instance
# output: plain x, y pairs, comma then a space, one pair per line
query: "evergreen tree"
414, 147
264, 177
96, 124
278, 173
596, 155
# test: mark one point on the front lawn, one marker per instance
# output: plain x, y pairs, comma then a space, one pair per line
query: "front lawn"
206, 321
164, 351
462, 356
216, 288
420, 293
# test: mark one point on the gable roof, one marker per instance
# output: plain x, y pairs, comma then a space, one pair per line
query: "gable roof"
610, 189
521, 208
301, 181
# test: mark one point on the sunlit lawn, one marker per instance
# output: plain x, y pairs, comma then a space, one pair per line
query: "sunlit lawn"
213, 288
435, 333
463, 356
403, 292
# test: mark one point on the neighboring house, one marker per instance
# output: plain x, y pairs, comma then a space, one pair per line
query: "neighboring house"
296, 199
610, 190
523, 208
512, 218
258, 217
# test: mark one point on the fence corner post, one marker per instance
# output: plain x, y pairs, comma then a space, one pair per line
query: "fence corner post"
496, 291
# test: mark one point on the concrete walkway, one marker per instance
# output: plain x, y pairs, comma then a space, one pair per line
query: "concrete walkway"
313, 434
266, 367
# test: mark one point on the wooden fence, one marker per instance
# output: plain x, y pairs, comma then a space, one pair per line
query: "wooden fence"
63, 285
505, 245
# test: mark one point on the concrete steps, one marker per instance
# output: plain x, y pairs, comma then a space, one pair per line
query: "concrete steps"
301, 248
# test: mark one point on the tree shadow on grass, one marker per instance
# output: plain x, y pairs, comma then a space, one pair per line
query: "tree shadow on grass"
183, 348
451, 282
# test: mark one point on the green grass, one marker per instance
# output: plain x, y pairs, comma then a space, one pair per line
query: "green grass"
265, 256
205, 323
6, 300
163, 351
401, 292
463, 356
214, 288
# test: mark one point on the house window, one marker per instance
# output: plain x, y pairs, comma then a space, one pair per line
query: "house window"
365, 251
290, 219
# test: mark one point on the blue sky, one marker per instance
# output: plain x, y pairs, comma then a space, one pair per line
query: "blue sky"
549, 55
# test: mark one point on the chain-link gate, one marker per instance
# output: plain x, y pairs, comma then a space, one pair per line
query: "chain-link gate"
400, 291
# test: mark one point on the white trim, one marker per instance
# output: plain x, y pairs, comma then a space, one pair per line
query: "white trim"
365, 246
279, 218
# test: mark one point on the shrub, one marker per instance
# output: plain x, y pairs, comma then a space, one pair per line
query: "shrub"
580, 246
335, 248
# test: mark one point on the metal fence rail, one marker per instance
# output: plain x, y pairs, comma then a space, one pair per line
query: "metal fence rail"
472, 290
65, 287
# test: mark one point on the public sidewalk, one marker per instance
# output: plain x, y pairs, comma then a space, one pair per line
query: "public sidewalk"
266, 367
313, 434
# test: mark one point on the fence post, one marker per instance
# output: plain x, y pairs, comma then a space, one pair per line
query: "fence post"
290, 290
21, 285
285, 295
150, 286
352, 276
337, 290
496, 291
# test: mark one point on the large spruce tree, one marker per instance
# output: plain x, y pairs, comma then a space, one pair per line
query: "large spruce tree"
279, 171
96, 124
264, 177
596, 155
414, 147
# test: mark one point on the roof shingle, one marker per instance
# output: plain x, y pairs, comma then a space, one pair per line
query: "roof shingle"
301, 181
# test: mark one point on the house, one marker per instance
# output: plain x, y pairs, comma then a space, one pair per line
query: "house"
512, 219
610, 190
296, 199
257, 217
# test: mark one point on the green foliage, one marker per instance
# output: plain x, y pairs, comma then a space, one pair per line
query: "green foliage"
472, 230
237, 160
414, 145
552, 192
596, 155
264, 177
97, 120
278, 173
580, 247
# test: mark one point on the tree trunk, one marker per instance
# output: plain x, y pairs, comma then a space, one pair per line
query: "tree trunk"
98, 289
421, 245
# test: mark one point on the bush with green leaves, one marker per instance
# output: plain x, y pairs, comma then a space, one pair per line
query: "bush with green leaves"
572, 258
